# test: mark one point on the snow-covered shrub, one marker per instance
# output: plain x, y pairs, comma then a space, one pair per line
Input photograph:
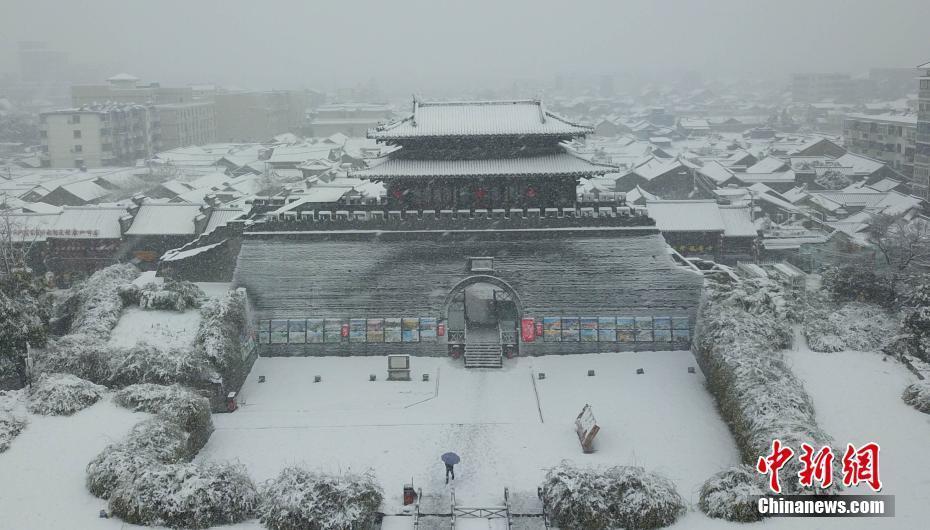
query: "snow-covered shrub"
857, 283
151, 442
732, 494
172, 295
851, 326
917, 395
180, 405
222, 323
832, 179
11, 423
62, 394
737, 346
10, 427
100, 305
300, 500
186, 496
145, 363
77, 354
621, 496
643, 499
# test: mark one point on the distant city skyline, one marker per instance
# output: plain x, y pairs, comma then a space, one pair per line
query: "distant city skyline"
419, 45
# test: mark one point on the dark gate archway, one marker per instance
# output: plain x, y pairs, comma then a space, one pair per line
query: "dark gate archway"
481, 278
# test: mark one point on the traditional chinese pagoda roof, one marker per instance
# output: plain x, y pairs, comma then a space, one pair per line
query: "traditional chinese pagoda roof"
549, 165
478, 119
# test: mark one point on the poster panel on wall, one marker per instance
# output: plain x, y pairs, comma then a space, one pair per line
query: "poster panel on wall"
375, 330
279, 331
358, 331
315, 328
607, 329
552, 329
332, 330
297, 331
428, 326
392, 330
410, 328
570, 328
588, 329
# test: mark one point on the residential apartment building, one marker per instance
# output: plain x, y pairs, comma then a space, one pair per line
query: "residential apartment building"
126, 89
350, 119
185, 124
886, 137
179, 117
96, 136
921, 180
814, 87
258, 116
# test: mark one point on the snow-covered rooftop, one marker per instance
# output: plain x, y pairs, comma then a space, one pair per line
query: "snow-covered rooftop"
686, 216
479, 118
164, 219
555, 164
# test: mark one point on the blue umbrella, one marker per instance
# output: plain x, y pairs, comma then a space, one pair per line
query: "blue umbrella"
450, 458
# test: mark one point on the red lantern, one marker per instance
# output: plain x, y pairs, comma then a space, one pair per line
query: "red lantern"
398, 194
531, 192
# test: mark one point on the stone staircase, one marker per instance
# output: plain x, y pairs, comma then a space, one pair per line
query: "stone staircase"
483, 355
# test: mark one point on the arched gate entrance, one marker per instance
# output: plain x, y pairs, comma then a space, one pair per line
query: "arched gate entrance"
482, 314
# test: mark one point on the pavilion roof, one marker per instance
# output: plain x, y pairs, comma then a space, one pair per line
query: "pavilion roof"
478, 118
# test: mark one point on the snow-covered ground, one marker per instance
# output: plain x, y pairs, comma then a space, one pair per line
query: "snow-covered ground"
857, 397
663, 420
161, 328
42, 473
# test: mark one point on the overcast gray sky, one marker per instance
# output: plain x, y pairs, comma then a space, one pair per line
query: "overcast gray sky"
412, 45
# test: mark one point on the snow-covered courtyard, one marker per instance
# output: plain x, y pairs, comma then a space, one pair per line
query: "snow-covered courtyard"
663, 420
163, 329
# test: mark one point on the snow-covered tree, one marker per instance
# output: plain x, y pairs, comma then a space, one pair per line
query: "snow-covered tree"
12, 422
903, 245
301, 500
186, 495
62, 394
732, 494
24, 321
623, 496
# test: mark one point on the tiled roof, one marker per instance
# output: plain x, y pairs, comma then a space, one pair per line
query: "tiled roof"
91, 222
686, 216
164, 219
556, 164
479, 118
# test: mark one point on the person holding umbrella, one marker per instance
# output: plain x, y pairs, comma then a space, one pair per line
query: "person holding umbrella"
450, 459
